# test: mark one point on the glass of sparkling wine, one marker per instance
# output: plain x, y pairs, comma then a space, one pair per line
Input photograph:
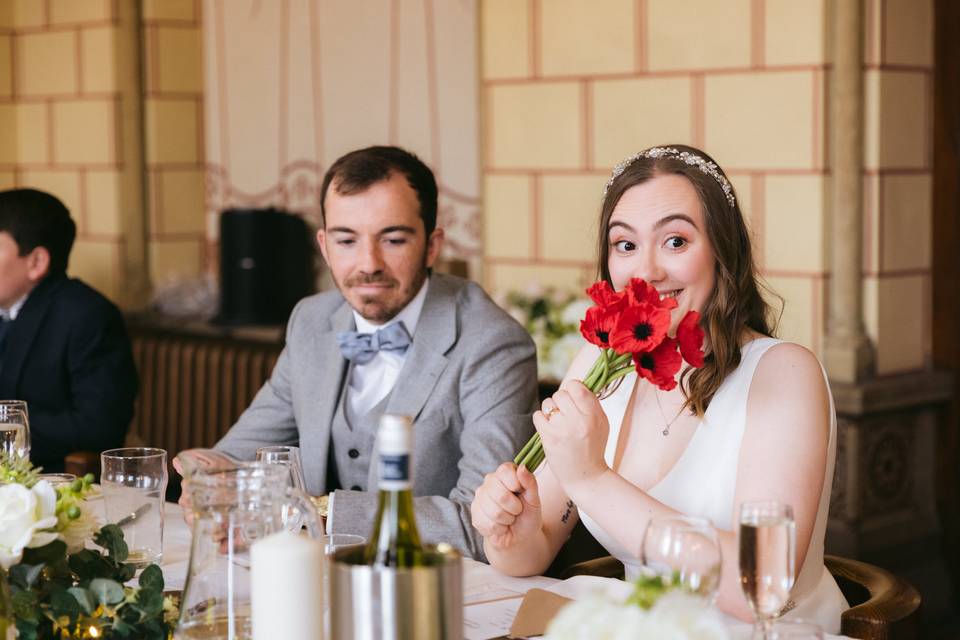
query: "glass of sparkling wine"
15, 428
134, 481
767, 560
683, 551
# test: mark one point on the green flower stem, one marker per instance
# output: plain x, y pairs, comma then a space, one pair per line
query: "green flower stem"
595, 370
526, 449
607, 369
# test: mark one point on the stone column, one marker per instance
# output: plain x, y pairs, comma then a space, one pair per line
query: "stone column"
848, 354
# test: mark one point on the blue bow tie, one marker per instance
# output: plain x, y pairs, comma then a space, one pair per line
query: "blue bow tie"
362, 347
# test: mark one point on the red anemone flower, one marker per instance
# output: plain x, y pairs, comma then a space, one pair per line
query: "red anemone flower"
598, 324
660, 366
603, 295
690, 337
639, 291
640, 327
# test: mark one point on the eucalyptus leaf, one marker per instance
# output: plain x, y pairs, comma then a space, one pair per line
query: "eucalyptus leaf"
25, 605
150, 602
125, 572
84, 598
48, 553
110, 537
89, 564
122, 628
106, 591
25, 575
152, 578
64, 604
26, 630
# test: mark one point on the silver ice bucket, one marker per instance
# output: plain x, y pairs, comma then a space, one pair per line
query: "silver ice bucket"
382, 603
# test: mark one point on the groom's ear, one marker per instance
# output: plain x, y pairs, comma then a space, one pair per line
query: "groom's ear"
322, 243
434, 246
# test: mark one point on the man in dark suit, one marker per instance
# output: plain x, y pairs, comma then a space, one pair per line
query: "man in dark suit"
63, 346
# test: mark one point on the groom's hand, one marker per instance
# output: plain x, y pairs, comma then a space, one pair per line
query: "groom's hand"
186, 463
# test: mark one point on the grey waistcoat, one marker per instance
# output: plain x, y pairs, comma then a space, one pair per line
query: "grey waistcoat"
353, 437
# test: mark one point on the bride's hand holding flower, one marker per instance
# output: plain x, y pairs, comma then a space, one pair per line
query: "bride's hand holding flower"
573, 429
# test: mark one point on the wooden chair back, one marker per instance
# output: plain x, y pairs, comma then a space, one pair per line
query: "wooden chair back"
882, 606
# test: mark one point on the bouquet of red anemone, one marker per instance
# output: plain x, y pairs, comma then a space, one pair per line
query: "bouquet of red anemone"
630, 327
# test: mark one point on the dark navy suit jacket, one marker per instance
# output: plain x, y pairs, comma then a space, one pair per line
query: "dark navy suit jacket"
68, 355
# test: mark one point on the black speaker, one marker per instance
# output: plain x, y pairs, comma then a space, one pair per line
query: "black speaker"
266, 265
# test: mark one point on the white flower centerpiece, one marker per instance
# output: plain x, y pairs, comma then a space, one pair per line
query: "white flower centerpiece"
552, 318
52, 587
656, 609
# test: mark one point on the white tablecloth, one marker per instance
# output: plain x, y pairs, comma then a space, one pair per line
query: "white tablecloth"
491, 599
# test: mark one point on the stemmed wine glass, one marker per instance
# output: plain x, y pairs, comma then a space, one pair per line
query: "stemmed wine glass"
684, 551
15, 428
767, 560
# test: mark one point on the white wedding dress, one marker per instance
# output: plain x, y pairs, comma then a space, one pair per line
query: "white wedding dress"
703, 481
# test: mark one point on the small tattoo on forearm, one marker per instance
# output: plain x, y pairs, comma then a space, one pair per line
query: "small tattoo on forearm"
566, 514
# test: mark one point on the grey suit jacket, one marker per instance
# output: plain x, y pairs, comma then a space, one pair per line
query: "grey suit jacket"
469, 380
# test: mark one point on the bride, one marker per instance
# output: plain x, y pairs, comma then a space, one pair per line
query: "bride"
756, 422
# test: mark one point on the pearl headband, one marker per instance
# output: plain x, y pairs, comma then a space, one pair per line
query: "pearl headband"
692, 159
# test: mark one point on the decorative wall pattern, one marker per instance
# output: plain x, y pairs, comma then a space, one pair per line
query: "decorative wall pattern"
61, 105
898, 83
173, 140
294, 84
572, 87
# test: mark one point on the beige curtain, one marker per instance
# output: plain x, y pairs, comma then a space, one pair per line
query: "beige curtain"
290, 85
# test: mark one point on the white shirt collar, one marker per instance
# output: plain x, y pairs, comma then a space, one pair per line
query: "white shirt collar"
12, 313
409, 315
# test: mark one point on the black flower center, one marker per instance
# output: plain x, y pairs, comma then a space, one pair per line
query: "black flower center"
603, 335
642, 331
647, 361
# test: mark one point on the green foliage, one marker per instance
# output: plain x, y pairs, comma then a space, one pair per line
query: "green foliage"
17, 470
110, 538
648, 589
54, 596
541, 313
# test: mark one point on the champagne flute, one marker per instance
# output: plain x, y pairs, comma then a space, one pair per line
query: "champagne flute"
15, 428
288, 456
767, 560
684, 552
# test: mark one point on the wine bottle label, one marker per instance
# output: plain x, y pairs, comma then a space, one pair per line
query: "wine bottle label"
394, 471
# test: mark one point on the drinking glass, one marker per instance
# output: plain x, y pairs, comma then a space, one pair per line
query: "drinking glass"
58, 479
15, 428
233, 509
684, 550
767, 560
288, 456
134, 482
796, 630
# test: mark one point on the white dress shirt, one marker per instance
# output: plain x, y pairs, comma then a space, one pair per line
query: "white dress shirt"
371, 382
12, 313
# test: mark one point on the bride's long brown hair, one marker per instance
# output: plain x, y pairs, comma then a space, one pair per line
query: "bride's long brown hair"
736, 302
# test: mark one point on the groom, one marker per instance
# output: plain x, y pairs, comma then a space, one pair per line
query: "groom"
393, 338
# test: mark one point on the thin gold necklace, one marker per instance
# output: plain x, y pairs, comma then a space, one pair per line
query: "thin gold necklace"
666, 430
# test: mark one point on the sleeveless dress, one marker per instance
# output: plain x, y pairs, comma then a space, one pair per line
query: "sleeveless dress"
703, 480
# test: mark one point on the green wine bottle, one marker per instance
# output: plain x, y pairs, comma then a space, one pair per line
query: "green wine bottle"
395, 541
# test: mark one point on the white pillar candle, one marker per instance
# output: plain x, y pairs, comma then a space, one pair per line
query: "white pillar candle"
286, 587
